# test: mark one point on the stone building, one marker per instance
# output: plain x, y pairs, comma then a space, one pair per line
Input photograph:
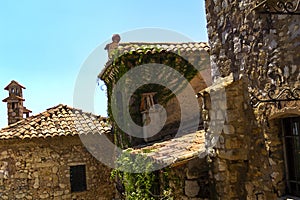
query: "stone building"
172, 147
254, 49
246, 141
250, 125
190, 59
42, 156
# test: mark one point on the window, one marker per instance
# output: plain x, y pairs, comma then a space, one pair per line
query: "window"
291, 136
78, 178
147, 101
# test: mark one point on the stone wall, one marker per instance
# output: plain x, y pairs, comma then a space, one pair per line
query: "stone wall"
200, 81
248, 159
243, 40
199, 61
228, 124
40, 169
190, 181
262, 53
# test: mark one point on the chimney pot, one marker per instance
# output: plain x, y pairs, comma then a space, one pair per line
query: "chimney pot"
113, 45
15, 108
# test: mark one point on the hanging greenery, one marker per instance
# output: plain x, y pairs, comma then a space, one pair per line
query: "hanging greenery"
140, 186
121, 64
143, 186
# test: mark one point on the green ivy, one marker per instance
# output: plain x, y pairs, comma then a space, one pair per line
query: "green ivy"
120, 64
139, 186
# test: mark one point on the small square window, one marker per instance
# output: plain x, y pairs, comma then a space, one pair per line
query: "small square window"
78, 178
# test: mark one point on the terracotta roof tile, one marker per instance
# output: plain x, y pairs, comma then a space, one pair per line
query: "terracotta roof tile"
184, 46
176, 150
183, 49
60, 120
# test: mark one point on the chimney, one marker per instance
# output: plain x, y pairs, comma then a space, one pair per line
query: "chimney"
15, 108
113, 45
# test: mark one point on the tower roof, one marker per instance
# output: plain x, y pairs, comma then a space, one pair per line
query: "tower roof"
14, 82
14, 97
25, 110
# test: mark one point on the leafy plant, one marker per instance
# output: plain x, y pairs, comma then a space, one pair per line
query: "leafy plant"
139, 186
120, 64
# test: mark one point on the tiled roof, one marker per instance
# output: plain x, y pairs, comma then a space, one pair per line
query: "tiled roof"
14, 82
183, 49
177, 150
13, 97
60, 120
172, 47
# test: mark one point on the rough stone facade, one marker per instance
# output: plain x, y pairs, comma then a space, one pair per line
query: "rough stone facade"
44, 157
190, 181
40, 169
242, 39
253, 57
261, 51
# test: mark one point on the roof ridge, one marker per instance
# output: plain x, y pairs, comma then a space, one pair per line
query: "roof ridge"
13, 81
183, 49
57, 106
47, 111
59, 120
137, 42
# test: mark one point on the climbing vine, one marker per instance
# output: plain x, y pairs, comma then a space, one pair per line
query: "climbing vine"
120, 64
140, 186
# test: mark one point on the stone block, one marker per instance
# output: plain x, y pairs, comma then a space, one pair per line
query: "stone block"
44, 196
228, 129
191, 188
196, 168
233, 143
221, 165
233, 154
58, 193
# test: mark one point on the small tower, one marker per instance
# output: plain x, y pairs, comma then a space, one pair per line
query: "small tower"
15, 108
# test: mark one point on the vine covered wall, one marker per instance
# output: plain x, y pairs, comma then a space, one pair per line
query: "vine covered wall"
189, 68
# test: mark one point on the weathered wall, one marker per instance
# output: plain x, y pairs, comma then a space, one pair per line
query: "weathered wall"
243, 40
262, 52
40, 169
190, 181
200, 81
229, 124
198, 60
248, 161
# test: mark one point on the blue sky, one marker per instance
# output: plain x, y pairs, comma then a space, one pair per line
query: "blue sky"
44, 44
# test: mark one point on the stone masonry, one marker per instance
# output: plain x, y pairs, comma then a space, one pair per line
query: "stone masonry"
261, 52
40, 169
37, 155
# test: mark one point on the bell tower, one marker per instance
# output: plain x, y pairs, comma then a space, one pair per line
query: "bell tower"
15, 108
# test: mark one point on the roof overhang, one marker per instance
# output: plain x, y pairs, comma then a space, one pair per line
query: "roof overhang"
14, 82
184, 50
